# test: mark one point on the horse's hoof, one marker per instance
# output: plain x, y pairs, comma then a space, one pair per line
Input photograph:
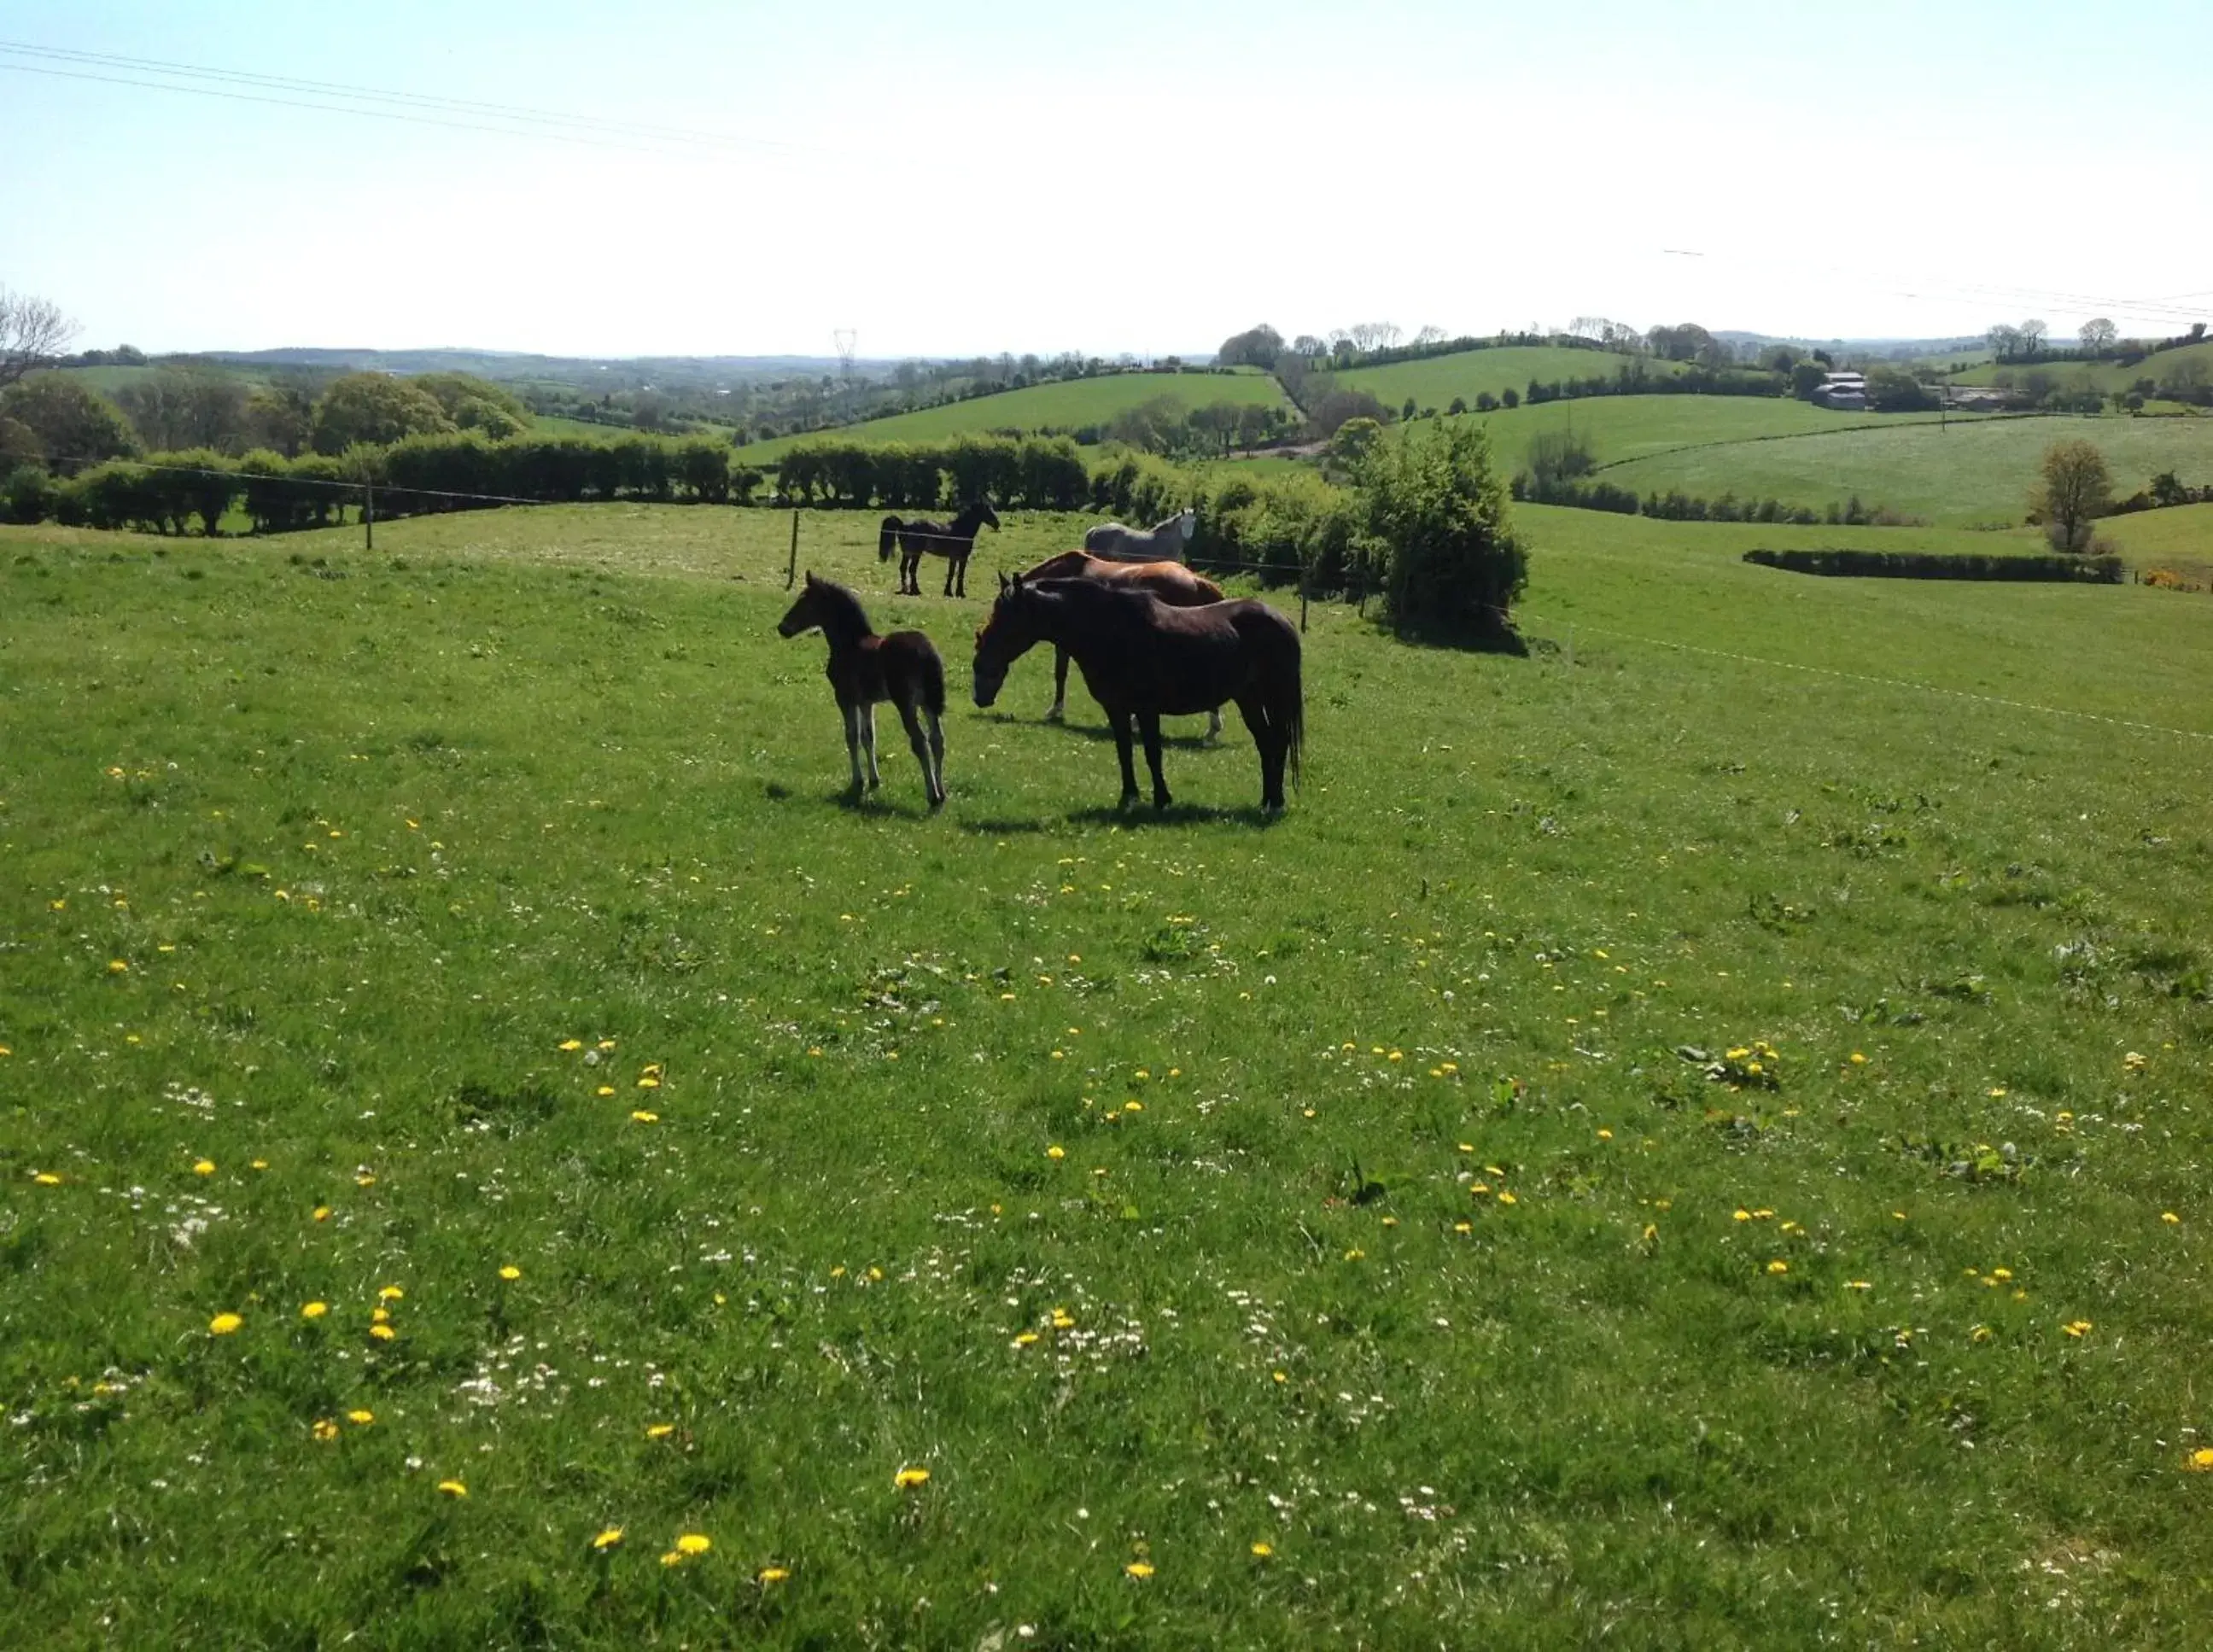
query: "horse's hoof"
1162, 800
1052, 714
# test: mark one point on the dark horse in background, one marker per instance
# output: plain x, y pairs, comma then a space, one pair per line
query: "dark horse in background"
866, 669
1171, 582
1143, 660
952, 540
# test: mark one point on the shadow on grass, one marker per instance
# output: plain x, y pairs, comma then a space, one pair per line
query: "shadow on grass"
1175, 814
874, 803
1484, 639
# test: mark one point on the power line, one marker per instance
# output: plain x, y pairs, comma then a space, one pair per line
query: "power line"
331, 97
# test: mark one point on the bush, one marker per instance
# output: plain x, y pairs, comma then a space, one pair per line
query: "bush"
27, 495
1435, 520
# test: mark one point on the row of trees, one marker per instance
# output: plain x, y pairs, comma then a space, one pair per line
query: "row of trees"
166, 492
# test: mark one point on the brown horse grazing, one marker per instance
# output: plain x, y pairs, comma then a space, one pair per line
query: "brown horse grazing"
954, 541
1142, 659
865, 668
1171, 582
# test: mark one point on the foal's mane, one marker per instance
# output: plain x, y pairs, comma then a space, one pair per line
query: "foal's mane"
841, 604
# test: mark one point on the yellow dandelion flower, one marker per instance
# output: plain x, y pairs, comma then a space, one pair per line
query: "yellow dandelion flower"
453, 1488
672, 1558
1355, 1255
223, 1324
570, 1044
1996, 1093
389, 1294
768, 1575
694, 1543
639, 1115
1279, 1376
364, 1180
1859, 1284
1137, 1568
117, 966
1023, 1339
1505, 1198
649, 1081
1133, 1107
1981, 1333
907, 1478
605, 1089
1056, 1152
203, 1167
1466, 1146
1463, 1226
325, 1428
1062, 1319
321, 1213
2164, 1216
607, 1044
382, 1332
1738, 1053
659, 1430
2075, 1327
360, 1418
47, 1178
1778, 1265
313, 1310
1262, 1551
379, 1315
510, 1272
1606, 1135
2200, 1461
607, 1539
2001, 1273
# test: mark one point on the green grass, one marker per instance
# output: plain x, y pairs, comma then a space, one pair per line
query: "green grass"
2098, 376
2179, 538
1065, 404
375, 838
1435, 381
1619, 427
1976, 473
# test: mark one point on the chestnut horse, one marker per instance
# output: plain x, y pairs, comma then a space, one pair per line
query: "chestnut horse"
1142, 659
1171, 582
954, 541
866, 669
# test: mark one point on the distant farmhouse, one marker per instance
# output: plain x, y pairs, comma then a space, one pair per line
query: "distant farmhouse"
1845, 392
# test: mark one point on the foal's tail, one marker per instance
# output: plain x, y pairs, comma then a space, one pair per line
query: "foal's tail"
887, 540
933, 682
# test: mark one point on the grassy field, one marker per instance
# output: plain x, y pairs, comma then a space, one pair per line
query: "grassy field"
1697, 1136
1063, 406
2179, 538
1619, 427
2099, 375
1435, 382
1973, 473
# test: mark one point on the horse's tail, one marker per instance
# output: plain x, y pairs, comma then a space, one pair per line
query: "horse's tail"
933, 680
887, 540
1287, 704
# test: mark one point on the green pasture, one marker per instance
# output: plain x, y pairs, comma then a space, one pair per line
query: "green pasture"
1978, 471
1694, 1135
1064, 404
1436, 379
2098, 376
2179, 537
1619, 427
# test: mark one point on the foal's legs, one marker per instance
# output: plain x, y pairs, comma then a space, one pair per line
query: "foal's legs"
929, 749
1214, 725
851, 713
868, 717
1058, 709
1149, 724
956, 564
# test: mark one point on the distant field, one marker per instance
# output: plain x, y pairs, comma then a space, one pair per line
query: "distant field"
1974, 473
1435, 381
1063, 406
2181, 538
1621, 428
2100, 375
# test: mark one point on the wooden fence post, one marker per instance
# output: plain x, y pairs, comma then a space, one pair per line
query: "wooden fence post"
791, 569
368, 516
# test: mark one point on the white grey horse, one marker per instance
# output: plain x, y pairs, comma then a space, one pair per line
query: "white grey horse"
1163, 542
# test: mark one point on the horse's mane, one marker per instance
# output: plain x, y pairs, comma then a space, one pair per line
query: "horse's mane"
1069, 564
846, 605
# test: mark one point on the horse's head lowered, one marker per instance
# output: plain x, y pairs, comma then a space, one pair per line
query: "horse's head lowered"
1008, 632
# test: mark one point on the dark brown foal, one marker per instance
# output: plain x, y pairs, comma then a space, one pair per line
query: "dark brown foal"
866, 669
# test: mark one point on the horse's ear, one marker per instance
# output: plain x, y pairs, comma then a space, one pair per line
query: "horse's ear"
1002, 585
810, 581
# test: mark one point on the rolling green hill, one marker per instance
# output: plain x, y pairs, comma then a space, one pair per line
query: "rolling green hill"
1435, 382
1619, 427
1975, 473
1064, 404
2181, 536
2102, 376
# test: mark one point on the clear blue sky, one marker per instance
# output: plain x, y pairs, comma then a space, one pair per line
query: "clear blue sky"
1139, 176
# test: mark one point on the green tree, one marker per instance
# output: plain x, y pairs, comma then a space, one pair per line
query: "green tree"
280, 417
73, 424
1806, 378
1353, 440
1436, 517
1259, 347
375, 408
2098, 335
2073, 489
